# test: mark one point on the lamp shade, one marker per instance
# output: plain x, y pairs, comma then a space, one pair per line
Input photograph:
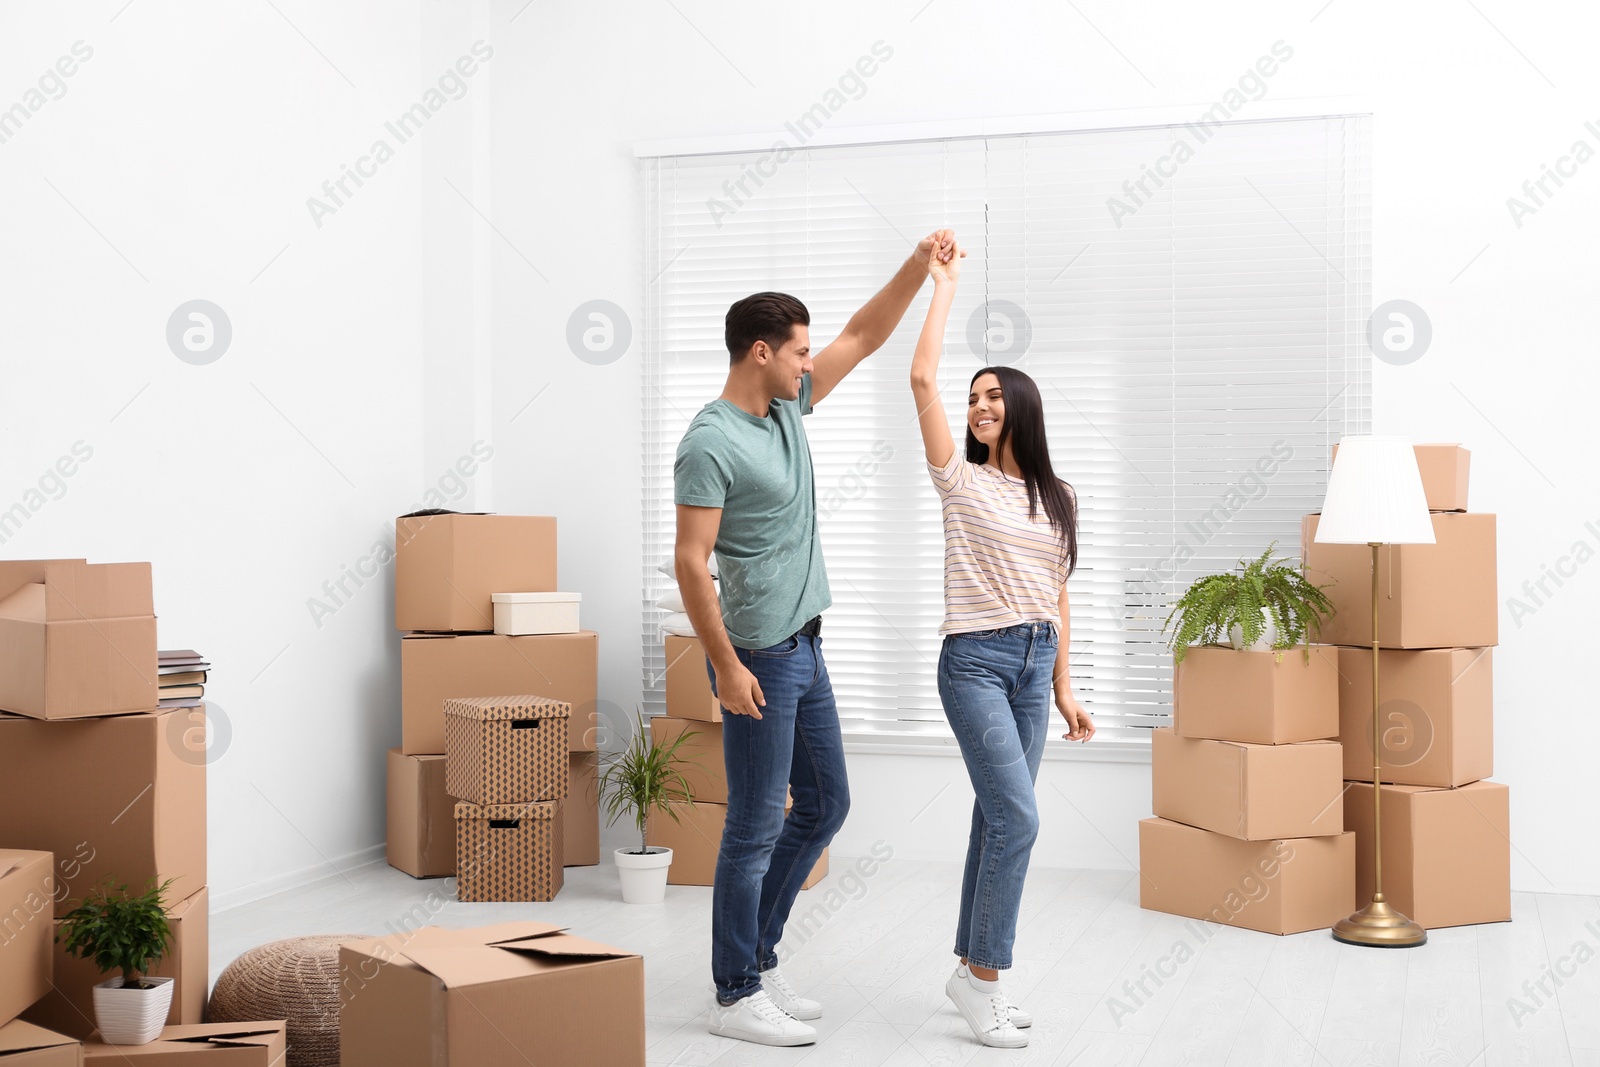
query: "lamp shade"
1375, 494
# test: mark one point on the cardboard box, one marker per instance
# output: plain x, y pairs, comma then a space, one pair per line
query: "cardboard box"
497, 996
435, 667
421, 838
1267, 698
509, 851
581, 812
1252, 792
26, 1045
69, 1007
1431, 596
76, 638
1446, 852
695, 840
122, 797
1444, 469
689, 692
263, 1044
447, 567
505, 749
1284, 886
1437, 726
702, 752
27, 892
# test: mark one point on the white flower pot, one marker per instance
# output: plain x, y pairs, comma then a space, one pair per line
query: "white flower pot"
644, 875
1264, 642
131, 1016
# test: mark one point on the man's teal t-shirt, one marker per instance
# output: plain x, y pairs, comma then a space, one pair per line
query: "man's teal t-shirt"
769, 553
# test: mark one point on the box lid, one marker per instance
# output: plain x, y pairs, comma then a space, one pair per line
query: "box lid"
532, 809
74, 589
536, 598
486, 709
18, 1036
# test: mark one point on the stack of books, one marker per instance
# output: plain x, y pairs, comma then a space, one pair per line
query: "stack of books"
182, 678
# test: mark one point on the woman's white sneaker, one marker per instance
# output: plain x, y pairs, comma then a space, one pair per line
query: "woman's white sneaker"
783, 994
1019, 1018
989, 1014
756, 1018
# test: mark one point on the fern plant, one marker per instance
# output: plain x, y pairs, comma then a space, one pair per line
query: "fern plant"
645, 778
120, 932
1216, 603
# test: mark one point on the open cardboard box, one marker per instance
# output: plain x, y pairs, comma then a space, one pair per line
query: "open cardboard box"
263, 1044
76, 638
27, 892
495, 996
26, 1045
1252, 792
448, 567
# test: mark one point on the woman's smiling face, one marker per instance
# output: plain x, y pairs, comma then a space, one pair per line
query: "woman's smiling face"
986, 409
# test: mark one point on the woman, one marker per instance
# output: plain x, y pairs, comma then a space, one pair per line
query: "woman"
1010, 542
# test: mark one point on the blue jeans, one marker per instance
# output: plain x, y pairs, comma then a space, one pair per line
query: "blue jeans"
996, 686
765, 857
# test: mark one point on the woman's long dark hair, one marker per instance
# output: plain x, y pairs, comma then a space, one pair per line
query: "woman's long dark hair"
1024, 429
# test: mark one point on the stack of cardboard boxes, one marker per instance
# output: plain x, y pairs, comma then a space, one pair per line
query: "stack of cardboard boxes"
96, 783
1249, 824
1446, 832
447, 569
692, 708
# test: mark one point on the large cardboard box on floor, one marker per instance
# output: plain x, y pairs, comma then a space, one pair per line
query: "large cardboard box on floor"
695, 838
69, 1007
435, 667
26, 1045
1265, 697
447, 567
263, 1044
1252, 792
506, 749
27, 892
702, 768
1282, 886
496, 996
1446, 852
121, 797
1441, 595
1445, 470
76, 638
509, 851
689, 692
421, 837
581, 812
1437, 726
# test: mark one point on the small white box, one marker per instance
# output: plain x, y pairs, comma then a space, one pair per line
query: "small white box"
519, 614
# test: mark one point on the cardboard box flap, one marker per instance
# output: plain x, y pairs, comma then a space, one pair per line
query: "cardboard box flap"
18, 1037
567, 947
26, 603
233, 1035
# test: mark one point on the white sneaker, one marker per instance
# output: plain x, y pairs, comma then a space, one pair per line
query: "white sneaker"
988, 1014
783, 994
1019, 1018
756, 1018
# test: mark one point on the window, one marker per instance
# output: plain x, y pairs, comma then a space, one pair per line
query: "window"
1196, 326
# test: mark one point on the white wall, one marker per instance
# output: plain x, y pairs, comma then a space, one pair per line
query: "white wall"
430, 311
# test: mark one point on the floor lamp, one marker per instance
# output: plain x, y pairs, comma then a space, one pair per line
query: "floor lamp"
1375, 498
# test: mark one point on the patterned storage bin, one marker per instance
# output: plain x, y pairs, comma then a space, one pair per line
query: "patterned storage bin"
509, 851
505, 750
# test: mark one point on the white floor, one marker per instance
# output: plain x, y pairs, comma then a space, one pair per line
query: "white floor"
878, 951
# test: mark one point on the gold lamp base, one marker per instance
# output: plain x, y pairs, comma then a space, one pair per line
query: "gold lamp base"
1379, 926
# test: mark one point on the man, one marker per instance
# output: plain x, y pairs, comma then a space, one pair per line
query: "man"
744, 488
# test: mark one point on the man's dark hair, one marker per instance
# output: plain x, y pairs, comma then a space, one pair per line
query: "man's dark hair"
769, 317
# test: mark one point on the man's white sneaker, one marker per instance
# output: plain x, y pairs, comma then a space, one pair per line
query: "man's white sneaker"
1019, 1018
988, 1014
783, 994
756, 1018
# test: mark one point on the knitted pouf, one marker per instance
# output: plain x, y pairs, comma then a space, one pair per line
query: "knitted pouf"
296, 979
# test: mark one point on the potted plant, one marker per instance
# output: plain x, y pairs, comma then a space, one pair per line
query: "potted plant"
1265, 605
130, 934
644, 779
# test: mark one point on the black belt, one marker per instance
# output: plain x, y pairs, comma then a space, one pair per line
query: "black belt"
811, 629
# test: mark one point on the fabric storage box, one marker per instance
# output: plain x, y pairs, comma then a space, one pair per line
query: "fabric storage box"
509, 851
1260, 696
519, 614
505, 750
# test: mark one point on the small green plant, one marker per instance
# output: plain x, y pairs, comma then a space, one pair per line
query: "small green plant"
120, 932
644, 778
1216, 603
